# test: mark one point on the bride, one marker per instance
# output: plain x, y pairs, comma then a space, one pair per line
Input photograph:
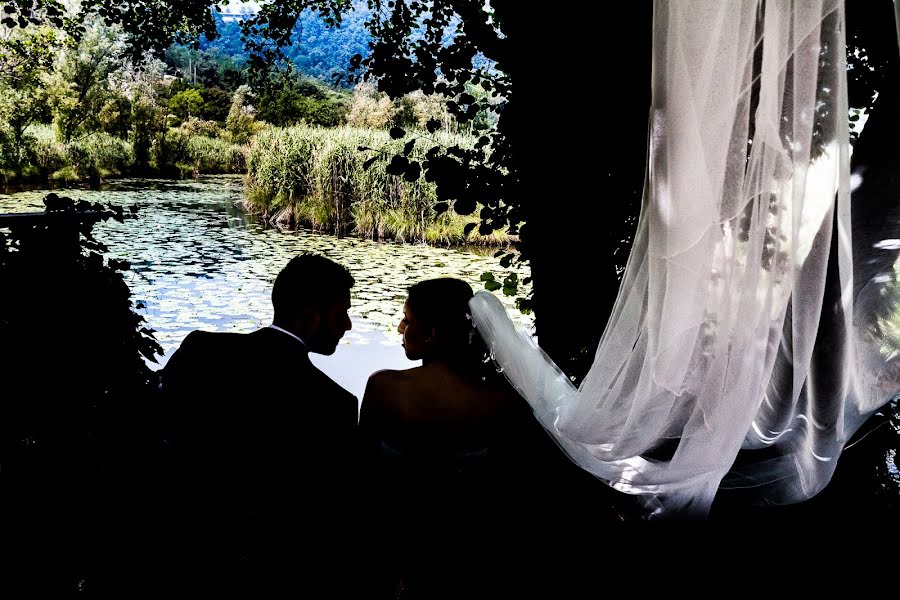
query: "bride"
745, 317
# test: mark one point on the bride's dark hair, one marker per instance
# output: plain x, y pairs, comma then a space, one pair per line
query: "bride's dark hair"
443, 304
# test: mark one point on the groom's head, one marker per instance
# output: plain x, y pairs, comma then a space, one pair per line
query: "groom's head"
311, 297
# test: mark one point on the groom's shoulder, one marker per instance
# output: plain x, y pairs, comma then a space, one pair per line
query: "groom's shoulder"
331, 399
318, 383
205, 338
204, 346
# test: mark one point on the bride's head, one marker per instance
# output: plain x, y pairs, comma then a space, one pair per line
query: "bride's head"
437, 325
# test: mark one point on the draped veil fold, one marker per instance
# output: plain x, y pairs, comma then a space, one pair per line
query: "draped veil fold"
738, 322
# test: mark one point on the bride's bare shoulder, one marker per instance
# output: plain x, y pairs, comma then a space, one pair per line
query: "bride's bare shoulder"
385, 383
391, 376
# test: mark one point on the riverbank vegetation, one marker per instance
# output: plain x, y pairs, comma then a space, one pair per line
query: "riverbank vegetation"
82, 111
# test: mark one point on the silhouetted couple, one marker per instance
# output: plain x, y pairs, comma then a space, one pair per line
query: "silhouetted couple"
268, 473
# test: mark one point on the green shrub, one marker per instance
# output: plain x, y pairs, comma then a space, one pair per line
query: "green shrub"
212, 155
170, 155
66, 175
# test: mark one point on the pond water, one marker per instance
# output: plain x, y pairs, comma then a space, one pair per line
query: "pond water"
199, 262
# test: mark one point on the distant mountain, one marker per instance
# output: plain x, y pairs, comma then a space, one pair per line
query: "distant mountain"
318, 51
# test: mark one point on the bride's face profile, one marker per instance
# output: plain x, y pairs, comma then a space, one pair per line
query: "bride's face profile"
414, 338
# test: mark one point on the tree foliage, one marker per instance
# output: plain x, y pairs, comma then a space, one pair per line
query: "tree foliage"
186, 103
241, 123
79, 87
288, 99
25, 56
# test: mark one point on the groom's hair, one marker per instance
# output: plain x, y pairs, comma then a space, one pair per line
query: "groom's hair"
308, 280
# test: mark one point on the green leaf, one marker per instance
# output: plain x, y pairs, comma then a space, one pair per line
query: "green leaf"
408, 148
147, 352
397, 133
465, 206
524, 305
506, 261
492, 286
487, 276
398, 165
413, 172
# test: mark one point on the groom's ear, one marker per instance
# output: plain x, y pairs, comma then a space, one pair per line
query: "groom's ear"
309, 317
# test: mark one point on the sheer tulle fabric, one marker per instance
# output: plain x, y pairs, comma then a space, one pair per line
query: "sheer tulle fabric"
738, 324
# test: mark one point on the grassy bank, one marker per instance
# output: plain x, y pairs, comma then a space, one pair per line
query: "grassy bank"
98, 156
315, 177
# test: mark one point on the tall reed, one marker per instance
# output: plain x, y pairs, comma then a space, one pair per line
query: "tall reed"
315, 177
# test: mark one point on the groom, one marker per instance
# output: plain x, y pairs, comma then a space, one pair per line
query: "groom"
260, 442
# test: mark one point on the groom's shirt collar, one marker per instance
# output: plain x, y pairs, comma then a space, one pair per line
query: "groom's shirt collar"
293, 335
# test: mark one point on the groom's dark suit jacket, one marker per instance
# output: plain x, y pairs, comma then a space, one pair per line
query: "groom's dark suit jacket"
259, 450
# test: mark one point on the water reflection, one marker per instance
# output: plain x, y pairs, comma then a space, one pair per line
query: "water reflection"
198, 262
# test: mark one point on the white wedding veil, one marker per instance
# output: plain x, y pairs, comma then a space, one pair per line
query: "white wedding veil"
738, 322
